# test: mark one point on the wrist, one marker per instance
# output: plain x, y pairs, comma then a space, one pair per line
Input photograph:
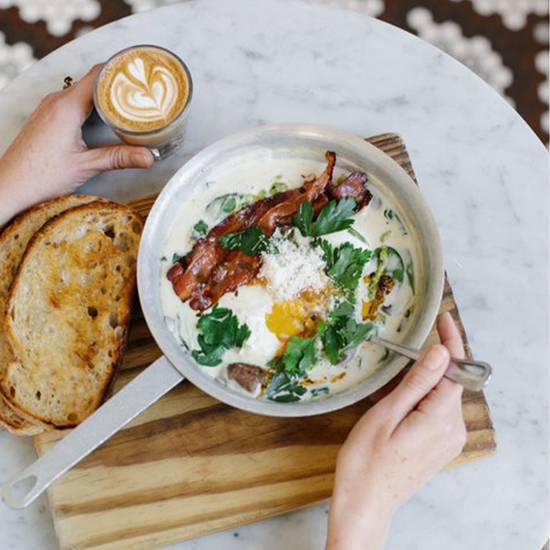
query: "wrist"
357, 525
11, 196
7, 207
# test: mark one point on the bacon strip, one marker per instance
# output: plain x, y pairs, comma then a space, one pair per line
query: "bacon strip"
353, 186
209, 271
309, 192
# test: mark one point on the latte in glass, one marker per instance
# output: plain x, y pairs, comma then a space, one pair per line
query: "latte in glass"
143, 93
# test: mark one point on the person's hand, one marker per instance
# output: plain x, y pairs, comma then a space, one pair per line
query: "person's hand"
397, 446
49, 157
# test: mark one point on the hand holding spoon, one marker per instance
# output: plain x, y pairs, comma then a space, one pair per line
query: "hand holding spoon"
473, 375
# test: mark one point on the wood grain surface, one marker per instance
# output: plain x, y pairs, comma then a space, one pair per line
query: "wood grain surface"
190, 466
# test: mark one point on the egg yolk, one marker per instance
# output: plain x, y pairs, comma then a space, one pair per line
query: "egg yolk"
296, 317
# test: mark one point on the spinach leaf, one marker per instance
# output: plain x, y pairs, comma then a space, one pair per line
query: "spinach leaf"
316, 392
410, 276
394, 265
342, 332
388, 261
177, 258
219, 331
200, 229
223, 206
344, 264
390, 215
251, 241
275, 189
284, 389
335, 216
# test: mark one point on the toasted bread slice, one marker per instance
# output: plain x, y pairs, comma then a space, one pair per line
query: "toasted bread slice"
68, 312
13, 242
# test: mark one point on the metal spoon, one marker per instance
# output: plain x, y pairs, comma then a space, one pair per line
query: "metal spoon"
473, 375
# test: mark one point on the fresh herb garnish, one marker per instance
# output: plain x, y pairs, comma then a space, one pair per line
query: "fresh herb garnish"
300, 356
342, 333
344, 264
251, 241
219, 331
200, 229
335, 216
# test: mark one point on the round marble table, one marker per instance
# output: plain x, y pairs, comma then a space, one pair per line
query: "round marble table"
481, 168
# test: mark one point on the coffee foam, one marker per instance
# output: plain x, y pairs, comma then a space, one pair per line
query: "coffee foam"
143, 89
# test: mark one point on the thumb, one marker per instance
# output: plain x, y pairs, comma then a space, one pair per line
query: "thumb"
116, 157
419, 381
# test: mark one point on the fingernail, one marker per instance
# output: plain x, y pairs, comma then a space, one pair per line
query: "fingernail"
436, 357
139, 159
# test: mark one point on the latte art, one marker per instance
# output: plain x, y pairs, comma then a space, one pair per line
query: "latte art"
144, 95
142, 89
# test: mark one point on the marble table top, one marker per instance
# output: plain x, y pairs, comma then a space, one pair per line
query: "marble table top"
481, 168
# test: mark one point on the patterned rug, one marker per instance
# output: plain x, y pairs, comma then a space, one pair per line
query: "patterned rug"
504, 41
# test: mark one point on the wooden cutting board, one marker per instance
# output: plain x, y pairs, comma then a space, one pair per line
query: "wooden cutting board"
190, 466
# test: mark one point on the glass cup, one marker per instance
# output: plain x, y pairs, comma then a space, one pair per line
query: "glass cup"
161, 141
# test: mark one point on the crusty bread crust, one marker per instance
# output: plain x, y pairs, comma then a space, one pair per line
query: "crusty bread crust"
13, 242
68, 312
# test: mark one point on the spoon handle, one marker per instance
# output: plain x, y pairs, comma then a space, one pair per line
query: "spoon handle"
473, 375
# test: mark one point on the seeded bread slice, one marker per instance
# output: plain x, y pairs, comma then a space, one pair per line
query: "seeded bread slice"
13, 242
68, 312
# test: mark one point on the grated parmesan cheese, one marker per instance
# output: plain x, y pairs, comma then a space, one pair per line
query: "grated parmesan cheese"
294, 268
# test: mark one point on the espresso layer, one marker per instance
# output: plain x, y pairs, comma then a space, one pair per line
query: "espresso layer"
143, 89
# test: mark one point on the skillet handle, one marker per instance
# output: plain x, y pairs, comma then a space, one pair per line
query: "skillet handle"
115, 413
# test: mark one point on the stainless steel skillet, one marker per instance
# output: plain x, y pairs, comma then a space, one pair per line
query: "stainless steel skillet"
280, 141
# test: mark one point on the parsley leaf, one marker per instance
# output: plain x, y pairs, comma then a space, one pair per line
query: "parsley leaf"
219, 331
344, 264
342, 332
335, 216
251, 241
300, 356
200, 229
303, 220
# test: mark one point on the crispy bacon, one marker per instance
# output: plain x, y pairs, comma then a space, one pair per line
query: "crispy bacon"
353, 186
209, 271
309, 192
239, 269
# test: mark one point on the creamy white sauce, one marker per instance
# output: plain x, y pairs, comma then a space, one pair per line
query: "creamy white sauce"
251, 304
